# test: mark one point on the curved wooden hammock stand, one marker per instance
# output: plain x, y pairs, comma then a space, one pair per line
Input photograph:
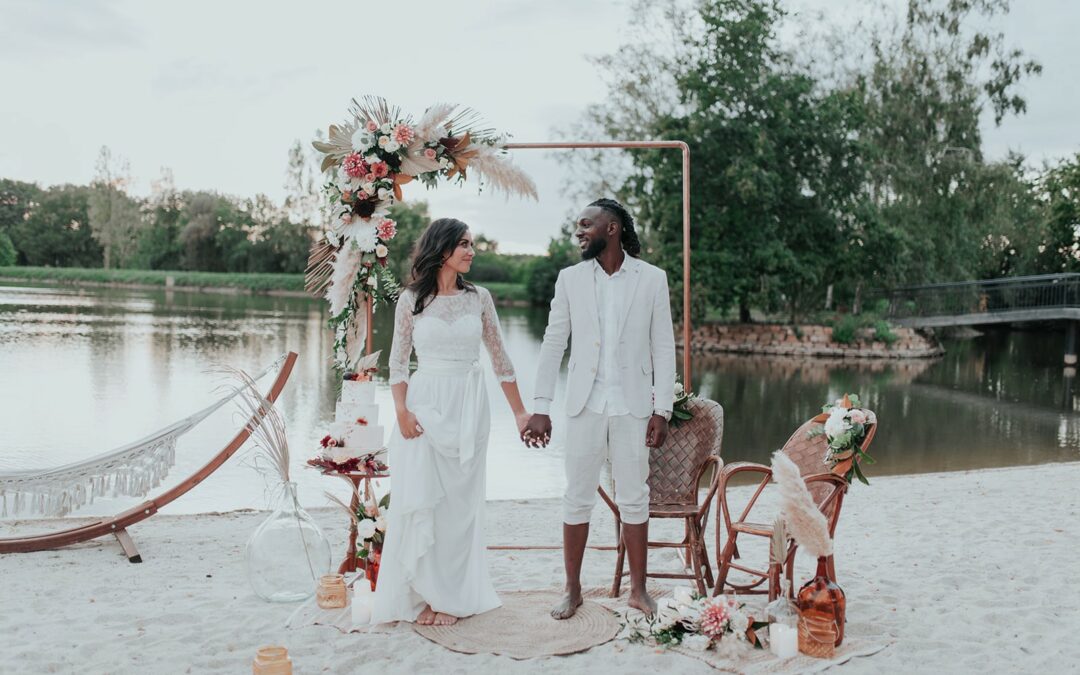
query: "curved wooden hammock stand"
117, 525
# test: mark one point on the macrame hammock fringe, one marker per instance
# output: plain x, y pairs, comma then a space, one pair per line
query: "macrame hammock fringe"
129, 471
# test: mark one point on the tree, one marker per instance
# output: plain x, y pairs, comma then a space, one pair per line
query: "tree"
412, 219
8, 254
301, 194
56, 232
115, 218
17, 200
159, 247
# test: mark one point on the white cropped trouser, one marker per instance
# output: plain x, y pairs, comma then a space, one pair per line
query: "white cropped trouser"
590, 439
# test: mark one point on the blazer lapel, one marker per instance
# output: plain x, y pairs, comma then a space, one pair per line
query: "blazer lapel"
635, 275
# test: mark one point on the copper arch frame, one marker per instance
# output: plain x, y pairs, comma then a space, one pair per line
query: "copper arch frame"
630, 145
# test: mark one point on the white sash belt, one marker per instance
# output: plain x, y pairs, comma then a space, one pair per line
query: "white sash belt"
474, 398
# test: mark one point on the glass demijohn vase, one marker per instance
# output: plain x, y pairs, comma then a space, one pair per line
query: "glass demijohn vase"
288, 553
821, 606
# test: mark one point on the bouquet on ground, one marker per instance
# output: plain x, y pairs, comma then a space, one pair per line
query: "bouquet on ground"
845, 428
699, 623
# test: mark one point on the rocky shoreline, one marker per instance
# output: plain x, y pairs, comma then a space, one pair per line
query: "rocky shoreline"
811, 340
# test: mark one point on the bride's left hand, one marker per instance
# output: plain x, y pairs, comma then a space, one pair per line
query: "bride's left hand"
522, 419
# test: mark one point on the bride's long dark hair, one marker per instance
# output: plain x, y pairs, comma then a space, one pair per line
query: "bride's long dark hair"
436, 243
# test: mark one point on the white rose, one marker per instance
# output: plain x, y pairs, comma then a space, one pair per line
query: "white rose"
836, 424
386, 128
368, 187
384, 193
372, 158
380, 524
392, 146
697, 643
381, 251
383, 141
679, 391
365, 529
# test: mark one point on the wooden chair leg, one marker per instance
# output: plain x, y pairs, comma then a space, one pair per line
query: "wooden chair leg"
128, 545
724, 564
704, 556
620, 560
693, 552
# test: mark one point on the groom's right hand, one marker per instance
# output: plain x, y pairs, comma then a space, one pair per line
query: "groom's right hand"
537, 432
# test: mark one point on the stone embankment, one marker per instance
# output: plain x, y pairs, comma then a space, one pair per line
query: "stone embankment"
810, 340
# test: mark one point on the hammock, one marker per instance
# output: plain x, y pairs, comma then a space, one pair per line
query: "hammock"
129, 471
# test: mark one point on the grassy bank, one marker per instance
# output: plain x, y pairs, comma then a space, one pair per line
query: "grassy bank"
253, 283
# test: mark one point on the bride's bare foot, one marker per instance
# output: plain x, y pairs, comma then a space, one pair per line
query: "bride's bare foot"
643, 602
427, 616
445, 619
568, 607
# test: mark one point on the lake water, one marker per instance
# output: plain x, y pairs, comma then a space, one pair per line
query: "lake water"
86, 370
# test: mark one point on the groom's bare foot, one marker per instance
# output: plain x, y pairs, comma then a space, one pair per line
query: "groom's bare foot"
427, 616
445, 619
643, 602
568, 607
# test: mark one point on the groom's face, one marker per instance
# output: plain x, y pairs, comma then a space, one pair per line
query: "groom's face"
594, 227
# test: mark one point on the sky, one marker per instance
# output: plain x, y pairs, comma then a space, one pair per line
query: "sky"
219, 91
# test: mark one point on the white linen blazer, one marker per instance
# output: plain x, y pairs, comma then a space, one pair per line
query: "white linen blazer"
646, 350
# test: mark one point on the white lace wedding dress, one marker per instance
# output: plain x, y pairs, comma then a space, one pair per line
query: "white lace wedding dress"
434, 551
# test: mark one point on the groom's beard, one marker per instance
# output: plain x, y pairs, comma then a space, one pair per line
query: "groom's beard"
595, 247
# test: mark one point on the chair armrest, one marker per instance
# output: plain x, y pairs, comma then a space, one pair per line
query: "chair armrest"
731, 470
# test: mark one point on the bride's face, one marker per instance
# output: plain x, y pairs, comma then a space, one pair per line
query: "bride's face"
461, 256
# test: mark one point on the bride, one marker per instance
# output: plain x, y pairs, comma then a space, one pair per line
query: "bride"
434, 567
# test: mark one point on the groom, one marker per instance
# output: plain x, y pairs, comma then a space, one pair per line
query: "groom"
616, 312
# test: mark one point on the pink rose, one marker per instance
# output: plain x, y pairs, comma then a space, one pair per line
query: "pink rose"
430, 153
857, 416
362, 196
370, 178
380, 169
372, 126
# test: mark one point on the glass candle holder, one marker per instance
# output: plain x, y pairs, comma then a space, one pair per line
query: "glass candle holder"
331, 593
272, 660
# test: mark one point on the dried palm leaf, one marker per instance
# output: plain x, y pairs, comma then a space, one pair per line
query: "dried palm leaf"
804, 519
343, 506
779, 542
415, 163
346, 266
269, 443
320, 267
375, 108
501, 174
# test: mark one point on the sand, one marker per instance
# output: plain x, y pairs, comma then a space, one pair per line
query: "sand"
956, 572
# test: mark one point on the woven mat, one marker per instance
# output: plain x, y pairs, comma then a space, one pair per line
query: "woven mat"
523, 628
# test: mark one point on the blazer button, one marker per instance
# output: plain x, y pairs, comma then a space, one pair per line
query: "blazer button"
594, 370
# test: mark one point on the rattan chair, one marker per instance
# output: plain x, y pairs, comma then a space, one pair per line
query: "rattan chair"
827, 487
676, 470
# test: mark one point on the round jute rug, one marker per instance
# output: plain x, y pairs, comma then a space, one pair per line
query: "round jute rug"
523, 628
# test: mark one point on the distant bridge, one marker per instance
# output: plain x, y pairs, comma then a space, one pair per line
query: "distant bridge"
1046, 297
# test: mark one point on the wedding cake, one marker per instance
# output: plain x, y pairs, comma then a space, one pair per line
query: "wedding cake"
356, 431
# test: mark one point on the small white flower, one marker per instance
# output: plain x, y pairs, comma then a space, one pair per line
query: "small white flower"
372, 158
381, 251
383, 141
384, 194
368, 188
392, 146
380, 524
679, 391
366, 239
444, 163
332, 239
386, 128
697, 643
373, 281
365, 529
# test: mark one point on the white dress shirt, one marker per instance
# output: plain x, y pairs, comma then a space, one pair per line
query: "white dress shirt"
612, 304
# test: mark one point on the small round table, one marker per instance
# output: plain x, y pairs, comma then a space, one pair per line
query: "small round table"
355, 478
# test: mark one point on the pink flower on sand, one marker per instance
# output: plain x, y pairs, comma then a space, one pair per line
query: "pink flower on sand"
714, 619
430, 153
386, 230
372, 126
355, 166
380, 169
403, 134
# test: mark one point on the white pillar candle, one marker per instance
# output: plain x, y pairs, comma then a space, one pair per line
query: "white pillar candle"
783, 640
361, 604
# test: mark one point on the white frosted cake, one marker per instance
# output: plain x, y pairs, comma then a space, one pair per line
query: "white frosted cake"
356, 418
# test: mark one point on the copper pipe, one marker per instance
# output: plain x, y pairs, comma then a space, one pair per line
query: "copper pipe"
679, 145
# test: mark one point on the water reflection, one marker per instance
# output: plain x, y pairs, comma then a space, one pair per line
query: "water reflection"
82, 371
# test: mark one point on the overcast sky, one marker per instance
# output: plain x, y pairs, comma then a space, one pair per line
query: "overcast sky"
218, 91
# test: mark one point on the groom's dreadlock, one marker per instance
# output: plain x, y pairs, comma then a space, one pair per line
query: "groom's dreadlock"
629, 237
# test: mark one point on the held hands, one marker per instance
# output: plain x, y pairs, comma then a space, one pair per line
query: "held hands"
656, 432
537, 431
408, 424
521, 418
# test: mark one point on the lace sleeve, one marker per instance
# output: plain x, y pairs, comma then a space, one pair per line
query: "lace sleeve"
401, 349
500, 360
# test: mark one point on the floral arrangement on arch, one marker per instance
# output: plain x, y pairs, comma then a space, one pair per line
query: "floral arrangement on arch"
366, 161
699, 623
845, 428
